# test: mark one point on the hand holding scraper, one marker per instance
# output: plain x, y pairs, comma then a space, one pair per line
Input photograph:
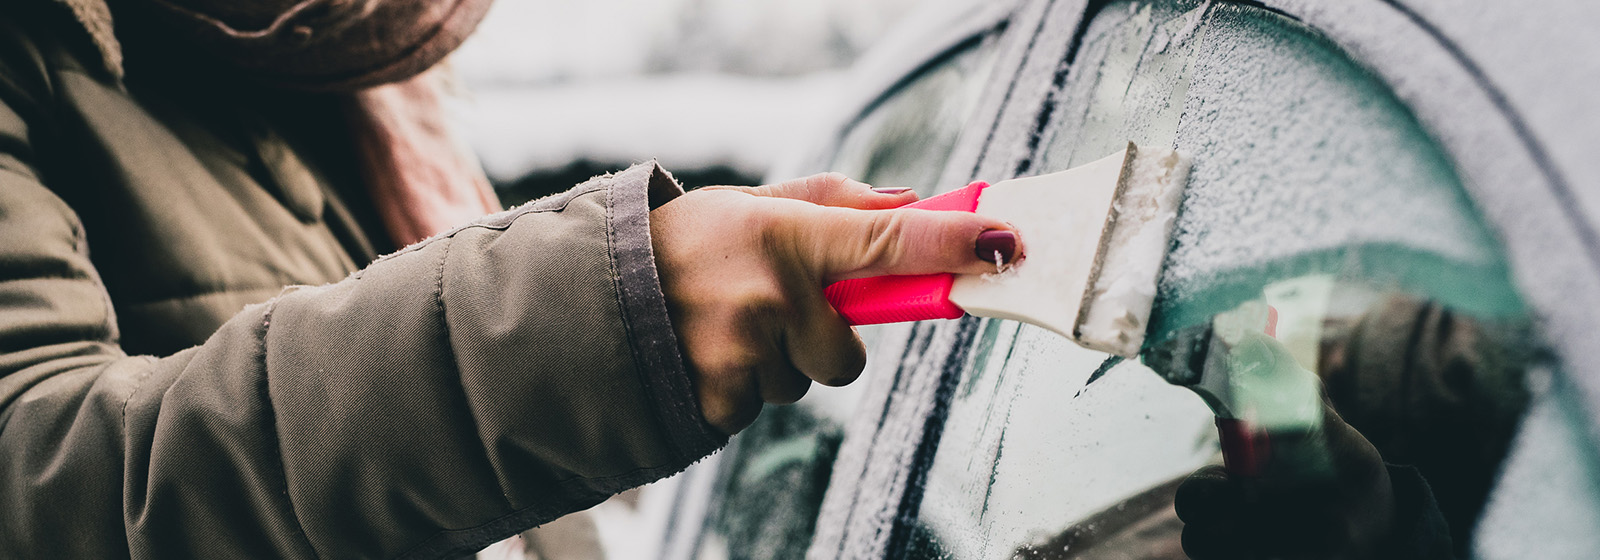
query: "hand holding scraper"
1093, 238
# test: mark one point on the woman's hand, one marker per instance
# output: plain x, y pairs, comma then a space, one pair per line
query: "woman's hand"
743, 270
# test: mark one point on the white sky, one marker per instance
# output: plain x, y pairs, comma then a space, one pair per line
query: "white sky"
538, 41
694, 83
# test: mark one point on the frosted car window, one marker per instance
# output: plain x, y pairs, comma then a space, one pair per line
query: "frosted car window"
771, 487
1322, 226
904, 141
1546, 500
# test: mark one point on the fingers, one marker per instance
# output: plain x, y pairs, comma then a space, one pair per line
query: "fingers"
813, 343
1209, 503
740, 353
850, 230
730, 396
1221, 522
821, 345
1208, 494
834, 189
1355, 459
781, 383
839, 243
1214, 542
1348, 515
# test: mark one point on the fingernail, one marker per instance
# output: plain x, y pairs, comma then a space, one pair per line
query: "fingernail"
996, 242
891, 190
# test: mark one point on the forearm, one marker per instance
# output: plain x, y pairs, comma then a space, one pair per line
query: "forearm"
456, 392
541, 372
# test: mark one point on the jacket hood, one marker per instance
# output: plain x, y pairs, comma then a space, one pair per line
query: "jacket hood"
95, 17
304, 44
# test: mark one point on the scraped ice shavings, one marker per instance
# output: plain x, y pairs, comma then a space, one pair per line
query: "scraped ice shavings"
1164, 39
1001, 269
1118, 306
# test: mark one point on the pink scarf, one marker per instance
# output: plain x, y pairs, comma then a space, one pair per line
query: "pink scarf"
422, 178
378, 53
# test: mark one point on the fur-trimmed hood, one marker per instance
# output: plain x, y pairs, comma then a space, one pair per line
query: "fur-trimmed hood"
304, 44
95, 16
421, 176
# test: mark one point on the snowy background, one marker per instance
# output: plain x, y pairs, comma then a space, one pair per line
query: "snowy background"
715, 89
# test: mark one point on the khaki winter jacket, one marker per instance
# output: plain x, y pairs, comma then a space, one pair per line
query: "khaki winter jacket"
163, 395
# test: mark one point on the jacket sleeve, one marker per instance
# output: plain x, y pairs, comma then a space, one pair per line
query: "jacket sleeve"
449, 395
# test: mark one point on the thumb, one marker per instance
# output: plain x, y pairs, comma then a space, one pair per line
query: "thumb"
844, 243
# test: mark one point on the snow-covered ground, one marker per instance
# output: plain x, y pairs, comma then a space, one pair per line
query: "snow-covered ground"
549, 41
694, 83
684, 120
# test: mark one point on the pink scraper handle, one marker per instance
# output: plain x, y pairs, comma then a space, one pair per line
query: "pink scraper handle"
896, 299
1246, 449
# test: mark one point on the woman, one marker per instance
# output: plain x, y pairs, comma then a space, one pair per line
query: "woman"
165, 395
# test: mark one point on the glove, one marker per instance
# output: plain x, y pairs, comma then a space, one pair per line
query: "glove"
1350, 514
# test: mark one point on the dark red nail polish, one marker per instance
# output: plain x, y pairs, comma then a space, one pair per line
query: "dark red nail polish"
891, 190
995, 241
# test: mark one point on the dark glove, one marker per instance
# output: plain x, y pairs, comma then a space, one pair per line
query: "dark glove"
1279, 514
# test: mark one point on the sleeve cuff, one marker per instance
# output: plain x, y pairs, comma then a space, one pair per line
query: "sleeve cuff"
663, 371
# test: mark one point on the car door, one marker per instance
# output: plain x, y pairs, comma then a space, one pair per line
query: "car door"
1337, 207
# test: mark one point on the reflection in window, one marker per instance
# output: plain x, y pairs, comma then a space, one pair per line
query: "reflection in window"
1324, 248
775, 472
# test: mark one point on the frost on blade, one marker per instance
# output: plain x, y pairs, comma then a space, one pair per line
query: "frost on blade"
1119, 304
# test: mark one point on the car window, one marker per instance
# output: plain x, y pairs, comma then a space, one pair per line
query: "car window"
1324, 244
774, 473
905, 140
1548, 497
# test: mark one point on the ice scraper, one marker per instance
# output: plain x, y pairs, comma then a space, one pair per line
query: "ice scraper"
1094, 238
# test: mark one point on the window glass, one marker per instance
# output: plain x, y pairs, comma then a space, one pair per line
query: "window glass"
775, 472
1324, 246
905, 140
1546, 498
